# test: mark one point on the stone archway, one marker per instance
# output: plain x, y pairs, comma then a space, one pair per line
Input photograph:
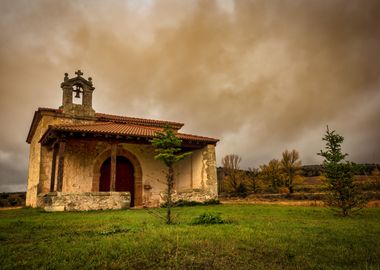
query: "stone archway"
137, 172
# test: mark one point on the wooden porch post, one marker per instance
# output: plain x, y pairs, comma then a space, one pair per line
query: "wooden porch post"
113, 167
61, 159
53, 167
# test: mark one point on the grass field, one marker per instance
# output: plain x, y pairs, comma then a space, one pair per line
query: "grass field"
257, 237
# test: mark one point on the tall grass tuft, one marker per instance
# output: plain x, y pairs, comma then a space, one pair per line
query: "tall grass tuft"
208, 218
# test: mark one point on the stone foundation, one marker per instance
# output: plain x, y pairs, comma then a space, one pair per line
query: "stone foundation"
84, 201
197, 195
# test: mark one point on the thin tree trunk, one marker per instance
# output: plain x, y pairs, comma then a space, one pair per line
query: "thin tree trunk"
169, 198
290, 183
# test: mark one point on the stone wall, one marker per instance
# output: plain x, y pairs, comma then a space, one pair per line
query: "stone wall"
198, 195
61, 201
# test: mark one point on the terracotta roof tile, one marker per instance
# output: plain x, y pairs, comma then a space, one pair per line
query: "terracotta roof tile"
192, 137
111, 128
118, 125
134, 120
126, 130
125, 119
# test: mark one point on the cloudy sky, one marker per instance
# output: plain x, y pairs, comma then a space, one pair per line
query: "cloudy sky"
262, 76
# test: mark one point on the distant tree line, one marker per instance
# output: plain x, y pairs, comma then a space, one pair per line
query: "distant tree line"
276, 176
342, 190
317, 170
251, 181
10, 199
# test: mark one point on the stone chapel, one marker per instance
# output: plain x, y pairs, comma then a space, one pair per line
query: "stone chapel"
84, 160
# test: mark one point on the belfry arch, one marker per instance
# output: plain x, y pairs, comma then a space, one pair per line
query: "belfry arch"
119, 153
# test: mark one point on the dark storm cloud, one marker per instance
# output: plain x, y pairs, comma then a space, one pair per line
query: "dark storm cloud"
12, 169
262, 76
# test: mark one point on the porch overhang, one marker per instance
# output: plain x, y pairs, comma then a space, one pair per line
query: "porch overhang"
120, 133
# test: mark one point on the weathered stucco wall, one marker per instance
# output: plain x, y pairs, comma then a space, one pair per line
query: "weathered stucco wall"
79, 162
41, 170
195, 176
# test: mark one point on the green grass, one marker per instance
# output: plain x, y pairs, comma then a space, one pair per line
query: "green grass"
256, 237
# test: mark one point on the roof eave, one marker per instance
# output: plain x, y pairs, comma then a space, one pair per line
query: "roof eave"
36, 119
52, 129
32, 128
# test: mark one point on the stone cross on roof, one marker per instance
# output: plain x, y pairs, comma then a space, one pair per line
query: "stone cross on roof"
79, 73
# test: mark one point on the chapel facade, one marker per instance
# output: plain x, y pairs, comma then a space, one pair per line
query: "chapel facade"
84, 160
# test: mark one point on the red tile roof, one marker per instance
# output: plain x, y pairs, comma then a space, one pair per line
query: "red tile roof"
117, 125
110, 128
134, 120
126, 130
104, 118
125, 119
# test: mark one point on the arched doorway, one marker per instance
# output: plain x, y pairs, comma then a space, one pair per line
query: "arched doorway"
102, 158
105, 175
124, 176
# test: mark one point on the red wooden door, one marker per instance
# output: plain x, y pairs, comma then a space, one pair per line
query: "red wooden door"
125, 177
105, 175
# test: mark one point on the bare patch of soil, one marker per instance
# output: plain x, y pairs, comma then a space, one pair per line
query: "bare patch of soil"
319, 203
10, 208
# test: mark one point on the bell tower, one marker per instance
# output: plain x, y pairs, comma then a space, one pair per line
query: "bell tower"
77, 88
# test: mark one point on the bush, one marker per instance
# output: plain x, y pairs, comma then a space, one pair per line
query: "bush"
181, 203
15, 201
4, 203
208, 218
369, 185
310, 189
12, 199
211, 202
241, 190
373, 195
